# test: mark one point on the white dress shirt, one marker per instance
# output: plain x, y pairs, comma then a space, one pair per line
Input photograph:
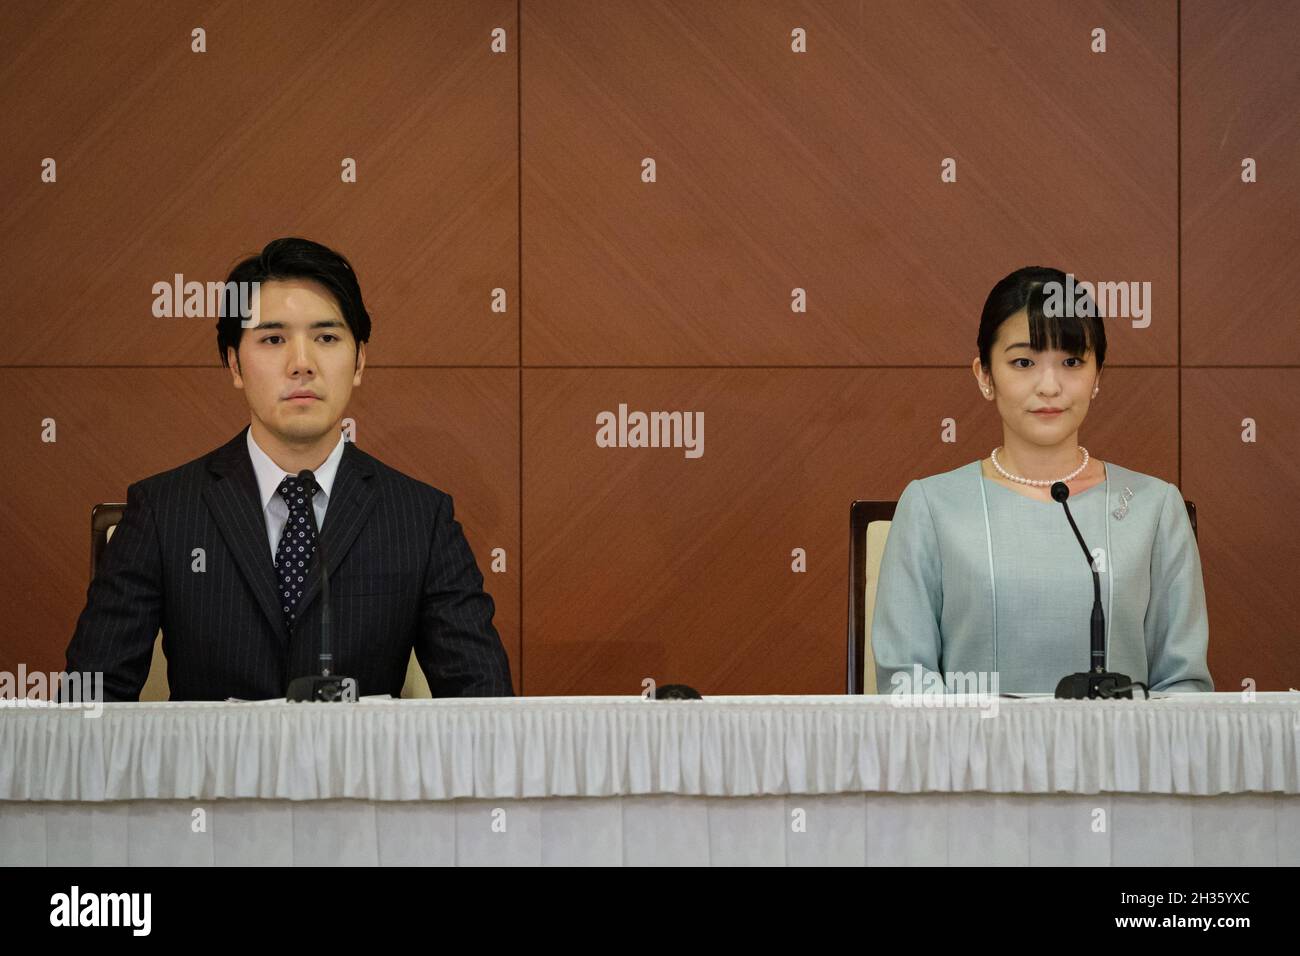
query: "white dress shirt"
275, 511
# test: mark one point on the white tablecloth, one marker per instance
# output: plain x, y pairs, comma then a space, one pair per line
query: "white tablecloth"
1206, 778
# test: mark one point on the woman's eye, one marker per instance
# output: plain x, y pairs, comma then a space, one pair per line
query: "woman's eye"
1073, 358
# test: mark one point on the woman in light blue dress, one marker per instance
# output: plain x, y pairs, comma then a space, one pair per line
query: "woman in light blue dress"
982, 577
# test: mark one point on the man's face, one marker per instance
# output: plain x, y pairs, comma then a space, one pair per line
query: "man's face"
298, 344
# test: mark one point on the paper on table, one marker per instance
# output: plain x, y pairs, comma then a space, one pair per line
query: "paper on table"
284, 700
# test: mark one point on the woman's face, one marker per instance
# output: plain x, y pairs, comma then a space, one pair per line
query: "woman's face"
1023, 381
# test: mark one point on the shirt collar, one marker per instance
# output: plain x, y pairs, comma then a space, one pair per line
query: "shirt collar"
269, 474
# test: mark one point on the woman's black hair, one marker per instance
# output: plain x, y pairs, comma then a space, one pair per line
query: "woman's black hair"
294, 258
1064, 328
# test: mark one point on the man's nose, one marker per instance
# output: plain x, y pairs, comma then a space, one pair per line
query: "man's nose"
300, 358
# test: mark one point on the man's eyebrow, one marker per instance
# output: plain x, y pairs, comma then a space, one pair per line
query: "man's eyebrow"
321, 324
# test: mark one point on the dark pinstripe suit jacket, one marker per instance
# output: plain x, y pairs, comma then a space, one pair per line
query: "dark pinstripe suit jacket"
401, 575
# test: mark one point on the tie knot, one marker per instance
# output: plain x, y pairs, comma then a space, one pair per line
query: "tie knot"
294, 493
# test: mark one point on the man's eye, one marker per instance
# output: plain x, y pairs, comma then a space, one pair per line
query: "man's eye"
269, 337
329, 335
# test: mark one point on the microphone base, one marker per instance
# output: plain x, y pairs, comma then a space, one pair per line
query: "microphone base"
1091, 685
318, 687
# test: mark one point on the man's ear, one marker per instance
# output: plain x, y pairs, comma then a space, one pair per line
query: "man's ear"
361, 363
232, 359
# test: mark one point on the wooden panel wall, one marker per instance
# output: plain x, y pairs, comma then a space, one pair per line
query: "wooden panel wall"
522, 170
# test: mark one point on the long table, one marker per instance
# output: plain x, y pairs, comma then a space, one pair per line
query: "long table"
1188, 779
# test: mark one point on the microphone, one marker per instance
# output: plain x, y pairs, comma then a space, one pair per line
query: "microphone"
326, 685
1096, 682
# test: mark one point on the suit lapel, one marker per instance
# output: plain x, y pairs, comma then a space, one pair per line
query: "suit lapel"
351, 500
235, 504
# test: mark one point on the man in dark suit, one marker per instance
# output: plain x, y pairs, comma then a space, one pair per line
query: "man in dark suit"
221, 552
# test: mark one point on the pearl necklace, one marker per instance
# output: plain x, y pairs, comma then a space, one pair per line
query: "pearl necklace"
1029, 481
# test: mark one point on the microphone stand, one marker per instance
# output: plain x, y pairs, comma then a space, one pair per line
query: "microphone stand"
325, 686
1096, 682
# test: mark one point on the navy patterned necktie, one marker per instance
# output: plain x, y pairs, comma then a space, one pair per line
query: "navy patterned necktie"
297, 545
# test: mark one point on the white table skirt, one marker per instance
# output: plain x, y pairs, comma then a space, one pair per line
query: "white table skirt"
1185, 780
488, 748
835, 829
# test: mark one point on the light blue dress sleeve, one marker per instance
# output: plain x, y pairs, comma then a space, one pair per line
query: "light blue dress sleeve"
909, 596
1176, 625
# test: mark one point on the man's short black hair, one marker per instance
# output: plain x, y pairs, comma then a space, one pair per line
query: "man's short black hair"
294, 258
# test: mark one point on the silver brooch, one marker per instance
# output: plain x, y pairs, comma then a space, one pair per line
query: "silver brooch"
1122, 510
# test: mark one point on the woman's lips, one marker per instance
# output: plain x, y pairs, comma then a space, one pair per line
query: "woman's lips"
1050, 414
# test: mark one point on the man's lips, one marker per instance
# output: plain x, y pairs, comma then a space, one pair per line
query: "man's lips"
301, 396
1048, 411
